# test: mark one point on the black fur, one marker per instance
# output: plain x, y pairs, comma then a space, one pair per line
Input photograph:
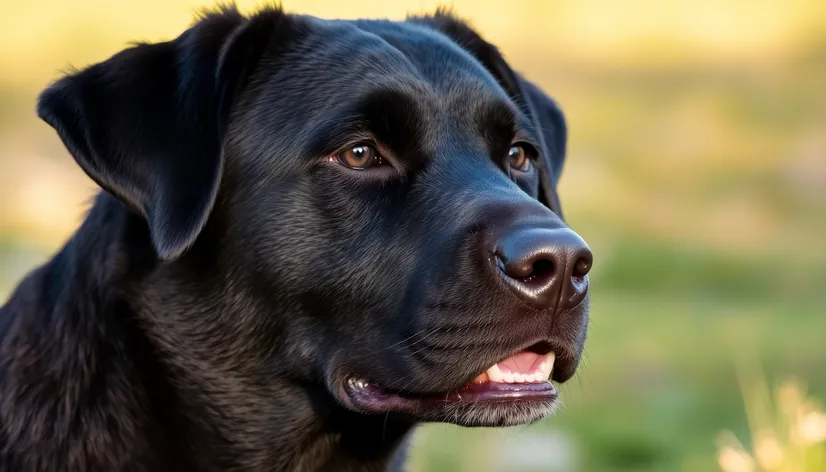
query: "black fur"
229, 277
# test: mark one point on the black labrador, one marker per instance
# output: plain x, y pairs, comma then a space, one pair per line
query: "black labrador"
312, 236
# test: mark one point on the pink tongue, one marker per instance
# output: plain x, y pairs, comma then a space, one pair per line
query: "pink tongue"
523, 363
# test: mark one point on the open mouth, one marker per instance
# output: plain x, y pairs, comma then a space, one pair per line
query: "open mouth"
522, 378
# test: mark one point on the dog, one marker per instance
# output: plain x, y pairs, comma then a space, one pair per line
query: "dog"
311, 236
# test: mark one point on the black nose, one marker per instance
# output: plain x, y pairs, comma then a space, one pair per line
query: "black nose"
543, 266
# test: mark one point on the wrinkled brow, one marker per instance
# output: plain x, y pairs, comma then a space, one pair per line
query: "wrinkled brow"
391, 116
499, 124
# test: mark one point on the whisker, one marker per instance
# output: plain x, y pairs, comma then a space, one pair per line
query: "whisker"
407, 338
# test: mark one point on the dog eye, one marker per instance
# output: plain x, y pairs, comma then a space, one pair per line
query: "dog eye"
360, 157
518, 158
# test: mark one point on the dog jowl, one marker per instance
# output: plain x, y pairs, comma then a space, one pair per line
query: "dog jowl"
311, 236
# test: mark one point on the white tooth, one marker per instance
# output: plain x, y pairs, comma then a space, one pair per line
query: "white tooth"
508, 377
533, 378
494, 374
547, 366
518, 378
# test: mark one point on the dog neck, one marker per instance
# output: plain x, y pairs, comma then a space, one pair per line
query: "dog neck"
146, 350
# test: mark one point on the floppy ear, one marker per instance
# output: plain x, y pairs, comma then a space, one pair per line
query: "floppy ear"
554, 133
539, 106
148, 124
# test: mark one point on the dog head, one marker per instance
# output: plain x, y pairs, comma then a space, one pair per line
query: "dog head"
367, 208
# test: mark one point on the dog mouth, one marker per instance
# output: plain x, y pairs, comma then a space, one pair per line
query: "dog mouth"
521, 380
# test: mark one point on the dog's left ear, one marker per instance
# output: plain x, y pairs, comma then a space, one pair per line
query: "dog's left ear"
539, 106
148, 124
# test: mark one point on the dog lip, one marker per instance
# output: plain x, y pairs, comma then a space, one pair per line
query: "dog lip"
370, 398
501, 391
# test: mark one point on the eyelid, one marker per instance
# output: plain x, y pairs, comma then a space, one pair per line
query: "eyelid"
530, 167
522, 136
349, 140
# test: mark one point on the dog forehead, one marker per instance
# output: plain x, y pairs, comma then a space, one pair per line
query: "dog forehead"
326, 63
444, 64
342, 45
341, 58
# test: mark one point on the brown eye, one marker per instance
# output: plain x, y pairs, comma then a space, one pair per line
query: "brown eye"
518, 158
362, 156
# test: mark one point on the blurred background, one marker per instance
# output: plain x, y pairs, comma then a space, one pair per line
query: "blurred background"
696, 171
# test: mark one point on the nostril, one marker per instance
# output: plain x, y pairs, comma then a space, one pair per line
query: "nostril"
581, 268
542, 269
527, 271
